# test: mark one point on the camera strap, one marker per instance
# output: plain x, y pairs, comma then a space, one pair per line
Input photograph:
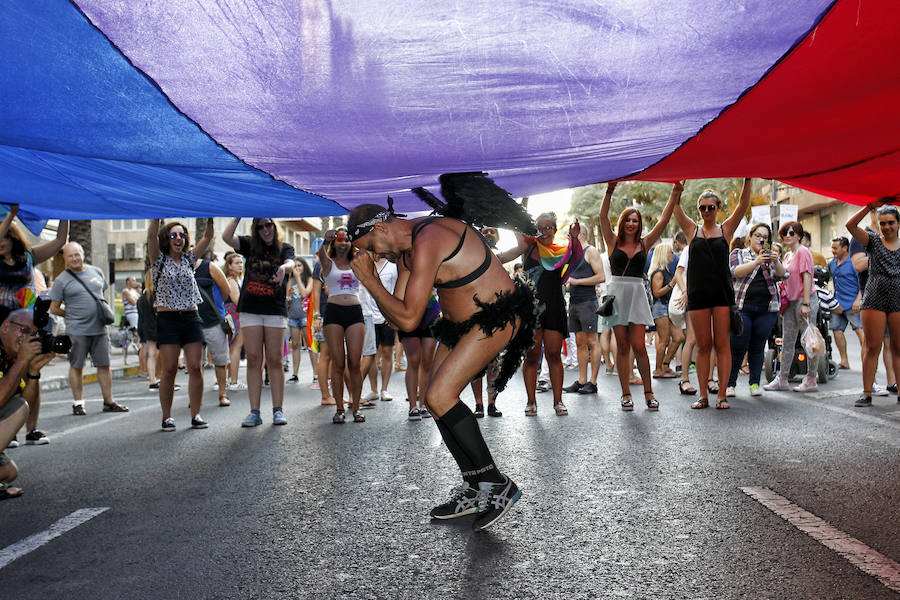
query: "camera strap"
96, 299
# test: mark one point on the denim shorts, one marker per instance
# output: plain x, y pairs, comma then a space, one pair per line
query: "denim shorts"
298, 323
839, 321
659, 309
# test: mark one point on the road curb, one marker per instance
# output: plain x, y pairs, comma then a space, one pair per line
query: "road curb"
52, 384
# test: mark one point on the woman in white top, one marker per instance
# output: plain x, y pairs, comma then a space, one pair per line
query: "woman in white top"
178, 323
343, 320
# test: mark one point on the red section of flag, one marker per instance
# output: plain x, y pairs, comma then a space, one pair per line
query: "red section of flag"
826, 118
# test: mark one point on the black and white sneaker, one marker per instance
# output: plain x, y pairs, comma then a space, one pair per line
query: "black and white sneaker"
168, 424
463, 501
479, 411
198, 423
36, 438
494, 501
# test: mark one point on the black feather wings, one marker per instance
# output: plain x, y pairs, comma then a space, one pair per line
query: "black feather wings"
475, 199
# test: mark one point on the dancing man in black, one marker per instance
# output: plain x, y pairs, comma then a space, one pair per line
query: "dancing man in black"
483, 313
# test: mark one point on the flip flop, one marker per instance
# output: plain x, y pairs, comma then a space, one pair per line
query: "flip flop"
6, 494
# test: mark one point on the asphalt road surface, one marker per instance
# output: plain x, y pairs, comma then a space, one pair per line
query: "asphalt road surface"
614, 505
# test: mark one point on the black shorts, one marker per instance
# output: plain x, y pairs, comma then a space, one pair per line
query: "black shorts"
345, 316
418, 332
384, 335
178, 327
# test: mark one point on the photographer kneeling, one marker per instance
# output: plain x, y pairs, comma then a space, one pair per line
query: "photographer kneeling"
20, 370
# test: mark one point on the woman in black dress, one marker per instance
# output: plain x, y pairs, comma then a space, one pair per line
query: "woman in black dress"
710, 291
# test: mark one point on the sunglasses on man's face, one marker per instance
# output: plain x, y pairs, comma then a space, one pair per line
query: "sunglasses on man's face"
262, 226
177, 234
707, 207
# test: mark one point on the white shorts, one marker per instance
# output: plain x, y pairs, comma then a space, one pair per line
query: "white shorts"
254, 320
369, 346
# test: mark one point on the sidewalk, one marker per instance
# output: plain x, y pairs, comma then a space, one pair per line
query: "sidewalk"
55, 376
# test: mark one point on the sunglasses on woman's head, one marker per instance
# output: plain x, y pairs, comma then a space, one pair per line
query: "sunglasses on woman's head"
177, 234
262, 226
707, 207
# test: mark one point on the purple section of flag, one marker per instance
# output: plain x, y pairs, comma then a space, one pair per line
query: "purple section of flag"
355, 100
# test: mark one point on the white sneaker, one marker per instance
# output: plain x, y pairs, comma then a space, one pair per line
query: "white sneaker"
730, 392
878, 390
370, 396
386, 396
809, 385
237, 387
777, 384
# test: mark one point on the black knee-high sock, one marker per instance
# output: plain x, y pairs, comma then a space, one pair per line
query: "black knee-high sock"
465, 465
474, 457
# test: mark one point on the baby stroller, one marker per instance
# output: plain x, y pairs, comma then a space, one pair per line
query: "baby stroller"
828, 368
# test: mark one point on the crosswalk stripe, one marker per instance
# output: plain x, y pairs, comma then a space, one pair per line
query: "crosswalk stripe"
861, 556
31, 543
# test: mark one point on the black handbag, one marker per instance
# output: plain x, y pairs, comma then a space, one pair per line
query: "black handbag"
107, 316
606, 306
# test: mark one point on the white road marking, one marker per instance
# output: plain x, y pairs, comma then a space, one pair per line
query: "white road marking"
856, 413
98, 401
864, 558
67, 523
105, 421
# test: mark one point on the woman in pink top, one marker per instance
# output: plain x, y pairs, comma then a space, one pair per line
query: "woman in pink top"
803, 305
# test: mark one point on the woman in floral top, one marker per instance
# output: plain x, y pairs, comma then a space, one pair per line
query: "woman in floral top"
177, 322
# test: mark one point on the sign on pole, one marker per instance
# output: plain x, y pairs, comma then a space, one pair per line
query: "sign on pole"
761, 214
788, 212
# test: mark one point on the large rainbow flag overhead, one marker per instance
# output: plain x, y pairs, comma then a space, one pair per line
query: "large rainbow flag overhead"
116, 108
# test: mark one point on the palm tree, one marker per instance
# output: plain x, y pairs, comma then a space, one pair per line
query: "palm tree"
81, 232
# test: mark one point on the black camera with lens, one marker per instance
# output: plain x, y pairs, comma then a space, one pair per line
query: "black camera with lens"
58, 344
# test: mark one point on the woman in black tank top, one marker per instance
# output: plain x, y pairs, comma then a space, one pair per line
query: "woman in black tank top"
709, 287
631, 309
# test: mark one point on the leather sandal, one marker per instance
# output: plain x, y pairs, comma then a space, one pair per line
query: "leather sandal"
113, 407
652, 402
531, 409
626, 402
686, 388
701, 403
722, 403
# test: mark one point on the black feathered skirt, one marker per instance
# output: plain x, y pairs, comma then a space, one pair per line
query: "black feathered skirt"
519, 303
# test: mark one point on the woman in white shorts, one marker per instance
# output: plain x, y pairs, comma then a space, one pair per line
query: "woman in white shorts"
263, 310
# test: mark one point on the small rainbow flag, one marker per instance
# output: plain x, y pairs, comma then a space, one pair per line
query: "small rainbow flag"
311, 343
556, 256
26, 297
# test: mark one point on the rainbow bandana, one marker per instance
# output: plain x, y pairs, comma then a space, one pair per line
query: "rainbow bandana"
556, 256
